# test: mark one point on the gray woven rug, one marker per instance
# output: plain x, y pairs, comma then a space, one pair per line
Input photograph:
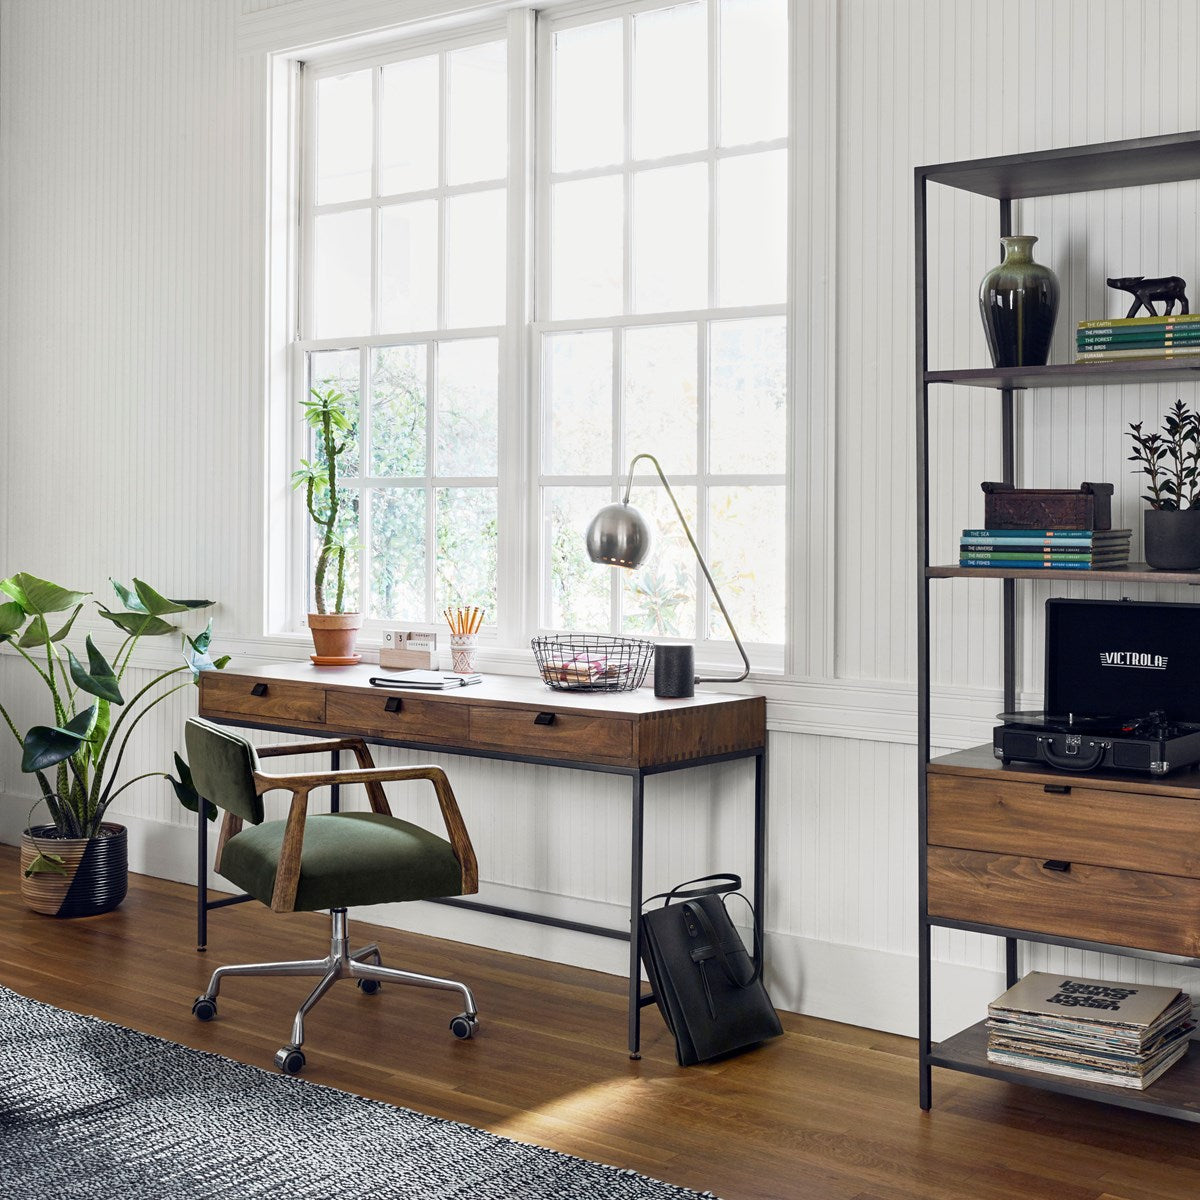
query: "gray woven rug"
93, 1110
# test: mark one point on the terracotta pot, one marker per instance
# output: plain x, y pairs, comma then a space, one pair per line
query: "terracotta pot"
334, 635
97, 872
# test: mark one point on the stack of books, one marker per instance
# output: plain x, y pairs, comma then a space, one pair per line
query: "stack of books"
1138, 337
1045, 549
1115, 1033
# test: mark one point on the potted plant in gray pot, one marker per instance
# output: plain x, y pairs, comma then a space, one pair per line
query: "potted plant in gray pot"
1170, 460
78, 865
334, 631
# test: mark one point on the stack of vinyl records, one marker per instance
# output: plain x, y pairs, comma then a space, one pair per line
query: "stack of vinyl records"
1116, 1033
1138, 337
1045, 549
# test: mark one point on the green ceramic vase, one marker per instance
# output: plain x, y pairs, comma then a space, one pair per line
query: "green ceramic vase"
1018, 301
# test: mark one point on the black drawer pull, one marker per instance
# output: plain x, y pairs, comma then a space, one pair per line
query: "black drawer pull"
259, 689
544, 719
1057, 789
1056, 864
394, 704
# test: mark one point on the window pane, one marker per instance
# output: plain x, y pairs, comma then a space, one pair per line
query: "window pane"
408, 281
398, 410
748, 559
753, 68
670, 238
660, 596
747, 397
468, 377
752, 229
344, 137
347, 531
660, 395
670, 81
337, 369
588, 77
477, 139
398, 554
466, 549
475, 246
342, 274
408, 133
580, 590
578, 391
585, 255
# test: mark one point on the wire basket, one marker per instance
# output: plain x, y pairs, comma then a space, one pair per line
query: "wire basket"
586, 662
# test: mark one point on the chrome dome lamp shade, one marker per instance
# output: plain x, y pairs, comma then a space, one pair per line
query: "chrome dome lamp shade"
619, 536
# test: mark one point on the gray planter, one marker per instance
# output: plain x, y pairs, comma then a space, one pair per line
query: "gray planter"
1172, 540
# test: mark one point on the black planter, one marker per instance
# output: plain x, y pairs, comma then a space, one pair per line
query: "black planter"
1018, 301
97, 869
1172, 541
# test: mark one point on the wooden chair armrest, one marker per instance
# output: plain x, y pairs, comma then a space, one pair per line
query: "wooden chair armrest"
287, 872
301, 785
347, 743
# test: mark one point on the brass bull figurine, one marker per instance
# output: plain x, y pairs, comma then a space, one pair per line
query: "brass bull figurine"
1170, 288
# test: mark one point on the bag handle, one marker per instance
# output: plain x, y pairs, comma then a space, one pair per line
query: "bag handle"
725, 882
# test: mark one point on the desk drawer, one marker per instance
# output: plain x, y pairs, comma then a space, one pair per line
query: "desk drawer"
234, 695
565, 735
1139, 832
1099, 904
417, 720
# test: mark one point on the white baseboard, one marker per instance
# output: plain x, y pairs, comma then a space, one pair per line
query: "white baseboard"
874, 989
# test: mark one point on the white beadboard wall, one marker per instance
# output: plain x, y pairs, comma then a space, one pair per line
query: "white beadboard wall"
130, 259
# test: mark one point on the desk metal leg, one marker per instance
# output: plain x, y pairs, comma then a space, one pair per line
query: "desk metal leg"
201, 876
635, 912
760, 852
335, 796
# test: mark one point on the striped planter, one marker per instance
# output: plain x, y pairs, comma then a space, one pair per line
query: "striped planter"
97, 872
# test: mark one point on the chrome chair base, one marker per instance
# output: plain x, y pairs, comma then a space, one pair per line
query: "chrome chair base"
365, 966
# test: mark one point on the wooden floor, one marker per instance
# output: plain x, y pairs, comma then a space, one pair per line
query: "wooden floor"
827, 1112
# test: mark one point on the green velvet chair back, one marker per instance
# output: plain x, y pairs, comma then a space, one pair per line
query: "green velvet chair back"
223, 767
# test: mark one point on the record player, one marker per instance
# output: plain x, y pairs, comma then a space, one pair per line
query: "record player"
1122, 690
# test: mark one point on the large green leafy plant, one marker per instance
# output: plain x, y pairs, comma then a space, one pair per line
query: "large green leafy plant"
330, 414
77, 759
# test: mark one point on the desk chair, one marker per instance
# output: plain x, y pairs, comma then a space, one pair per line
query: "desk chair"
327, 860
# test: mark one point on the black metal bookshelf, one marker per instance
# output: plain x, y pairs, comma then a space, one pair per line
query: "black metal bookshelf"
1136, 163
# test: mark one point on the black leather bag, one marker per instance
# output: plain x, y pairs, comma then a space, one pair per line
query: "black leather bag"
708, 988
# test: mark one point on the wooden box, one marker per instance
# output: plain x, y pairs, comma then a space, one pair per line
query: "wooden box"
1087, 507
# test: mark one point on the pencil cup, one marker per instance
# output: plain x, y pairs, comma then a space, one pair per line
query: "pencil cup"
463, 649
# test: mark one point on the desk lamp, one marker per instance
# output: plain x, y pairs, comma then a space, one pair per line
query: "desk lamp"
621, 537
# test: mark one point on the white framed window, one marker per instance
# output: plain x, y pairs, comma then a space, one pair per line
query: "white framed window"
663, 311
508, 341
403, 309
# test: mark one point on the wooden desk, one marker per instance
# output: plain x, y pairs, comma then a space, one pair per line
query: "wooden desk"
515, 719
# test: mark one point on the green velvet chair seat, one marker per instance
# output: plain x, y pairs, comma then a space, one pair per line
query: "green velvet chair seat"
349, 859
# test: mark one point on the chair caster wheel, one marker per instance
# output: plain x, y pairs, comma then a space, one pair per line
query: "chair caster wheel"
204, 1008
290, 1060
464, 1026
368, 987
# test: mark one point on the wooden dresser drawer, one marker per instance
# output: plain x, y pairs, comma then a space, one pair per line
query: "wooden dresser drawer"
1156, 833
565, 735
1099, 904
417, 720
235, 695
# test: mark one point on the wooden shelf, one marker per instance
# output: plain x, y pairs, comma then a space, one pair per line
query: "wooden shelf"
1134, 163
1184, 370
1174, 1094
1134, 572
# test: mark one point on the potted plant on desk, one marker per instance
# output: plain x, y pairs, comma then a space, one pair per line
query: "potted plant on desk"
330, 415
1170, 460
78, 865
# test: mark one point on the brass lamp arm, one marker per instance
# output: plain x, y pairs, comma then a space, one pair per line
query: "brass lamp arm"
703, 567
